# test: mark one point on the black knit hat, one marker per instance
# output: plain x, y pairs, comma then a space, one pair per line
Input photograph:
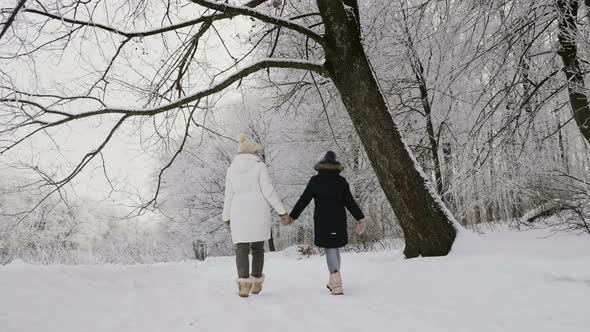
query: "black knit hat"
329, 157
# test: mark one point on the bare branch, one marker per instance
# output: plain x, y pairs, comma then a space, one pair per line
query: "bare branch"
154, 200
12, 17
146, 33
246, 11
262, 64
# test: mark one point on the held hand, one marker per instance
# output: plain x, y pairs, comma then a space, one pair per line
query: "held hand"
361, 226
286, 219
226, 223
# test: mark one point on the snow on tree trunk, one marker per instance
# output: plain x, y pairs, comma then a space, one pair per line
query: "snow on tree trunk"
428, 226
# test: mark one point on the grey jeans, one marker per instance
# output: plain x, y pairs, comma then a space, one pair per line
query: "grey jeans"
243, 261
333, 259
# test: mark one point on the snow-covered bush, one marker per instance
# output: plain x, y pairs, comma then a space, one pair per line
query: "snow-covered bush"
564, 204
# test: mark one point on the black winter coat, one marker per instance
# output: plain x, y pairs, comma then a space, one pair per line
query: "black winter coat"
331, 195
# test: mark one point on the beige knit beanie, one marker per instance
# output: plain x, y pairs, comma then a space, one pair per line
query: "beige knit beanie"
247, 145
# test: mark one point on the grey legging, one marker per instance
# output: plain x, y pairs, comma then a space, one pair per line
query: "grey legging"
333, 259
243, 261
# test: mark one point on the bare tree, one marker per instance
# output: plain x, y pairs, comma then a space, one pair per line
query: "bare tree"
428, 226
567, 11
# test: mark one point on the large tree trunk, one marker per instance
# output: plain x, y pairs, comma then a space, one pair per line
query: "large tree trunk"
427, 226
568, 51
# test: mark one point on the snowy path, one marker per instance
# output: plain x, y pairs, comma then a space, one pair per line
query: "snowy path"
525, 283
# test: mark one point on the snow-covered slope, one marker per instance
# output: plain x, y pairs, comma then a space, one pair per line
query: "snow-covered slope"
505, 281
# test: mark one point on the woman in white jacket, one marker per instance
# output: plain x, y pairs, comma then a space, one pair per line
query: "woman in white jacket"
249, 195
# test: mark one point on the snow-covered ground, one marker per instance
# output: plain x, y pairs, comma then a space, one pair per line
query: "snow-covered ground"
505, 281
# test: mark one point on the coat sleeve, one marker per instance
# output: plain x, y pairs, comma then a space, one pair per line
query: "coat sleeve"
351, 204
229, 195
269, 191
303, 201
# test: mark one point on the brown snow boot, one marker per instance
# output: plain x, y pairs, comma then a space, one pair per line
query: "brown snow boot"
257, 284
244, 286
335, 284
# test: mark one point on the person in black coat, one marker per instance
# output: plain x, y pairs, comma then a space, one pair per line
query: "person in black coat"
332, 197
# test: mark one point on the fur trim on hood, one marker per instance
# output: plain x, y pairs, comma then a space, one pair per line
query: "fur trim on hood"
324, 166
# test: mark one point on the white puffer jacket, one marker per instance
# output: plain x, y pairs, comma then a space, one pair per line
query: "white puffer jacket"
249, 194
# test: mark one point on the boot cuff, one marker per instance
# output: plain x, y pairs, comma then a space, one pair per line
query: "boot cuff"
254, 279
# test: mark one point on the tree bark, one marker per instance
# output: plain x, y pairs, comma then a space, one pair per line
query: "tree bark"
561, 142
448, 197
271, 243
12, 17
568, 51
419, 73
427, 225
418, 70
